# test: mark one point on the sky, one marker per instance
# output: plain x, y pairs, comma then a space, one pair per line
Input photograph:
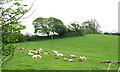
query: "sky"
104, 11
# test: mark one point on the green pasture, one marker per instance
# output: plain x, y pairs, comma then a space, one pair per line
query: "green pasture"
95, 47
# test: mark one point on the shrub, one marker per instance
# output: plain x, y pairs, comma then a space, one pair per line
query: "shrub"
106, 33
116, 34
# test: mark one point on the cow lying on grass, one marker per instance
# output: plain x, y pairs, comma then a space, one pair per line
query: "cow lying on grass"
30, 52
82, 58
58, 54
36, 56
67, 59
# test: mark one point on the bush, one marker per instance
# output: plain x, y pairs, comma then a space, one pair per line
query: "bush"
88, 31
70, 34
116, 34
81, 32
106, 33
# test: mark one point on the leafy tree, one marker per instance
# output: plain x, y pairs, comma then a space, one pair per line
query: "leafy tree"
77, 28
41, 25
57, 26
49, 25
92, 25
10, 27
61, 29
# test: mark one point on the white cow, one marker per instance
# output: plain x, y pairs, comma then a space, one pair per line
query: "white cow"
36, 56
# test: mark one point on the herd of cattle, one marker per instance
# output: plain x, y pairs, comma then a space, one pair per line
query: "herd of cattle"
36, 54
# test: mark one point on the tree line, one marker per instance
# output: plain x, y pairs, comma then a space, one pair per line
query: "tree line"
55, 28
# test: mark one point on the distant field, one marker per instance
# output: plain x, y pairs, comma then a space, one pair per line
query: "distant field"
96, 48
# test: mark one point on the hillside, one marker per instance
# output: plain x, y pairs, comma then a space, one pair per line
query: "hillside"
96, 48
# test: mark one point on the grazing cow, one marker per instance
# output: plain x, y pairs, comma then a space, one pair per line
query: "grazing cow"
46, 53
66, 59
59, 54
82, 58
72, 56
36, 56
29, 53
40, 50
36, 52
54, 51
70, 60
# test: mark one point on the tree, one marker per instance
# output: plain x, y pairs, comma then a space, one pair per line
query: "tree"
49, 25
92, 25
57, 26
61, 29
77, 28
41, 25
10, 27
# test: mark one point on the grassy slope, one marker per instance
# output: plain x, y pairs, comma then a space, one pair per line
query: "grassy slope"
96, 48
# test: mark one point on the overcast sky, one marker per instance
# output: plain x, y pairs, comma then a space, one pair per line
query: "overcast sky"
104, 11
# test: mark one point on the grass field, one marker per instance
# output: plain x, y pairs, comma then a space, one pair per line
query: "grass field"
95, 47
